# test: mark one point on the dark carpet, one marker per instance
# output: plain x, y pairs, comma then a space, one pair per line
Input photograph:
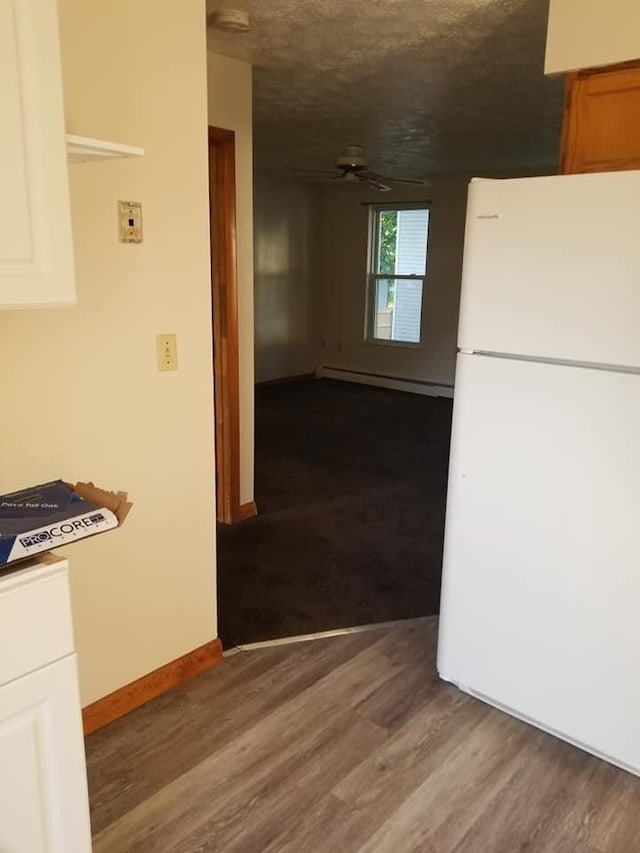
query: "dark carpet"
350, 487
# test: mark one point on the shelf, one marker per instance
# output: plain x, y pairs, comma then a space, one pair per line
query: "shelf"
80, 149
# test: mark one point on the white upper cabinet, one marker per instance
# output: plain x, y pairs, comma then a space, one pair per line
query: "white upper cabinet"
36, 247
591, 34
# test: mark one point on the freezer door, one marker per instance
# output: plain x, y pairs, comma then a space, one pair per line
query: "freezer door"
541, 585
552, 268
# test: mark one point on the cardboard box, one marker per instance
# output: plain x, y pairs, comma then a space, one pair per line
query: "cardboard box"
47, 516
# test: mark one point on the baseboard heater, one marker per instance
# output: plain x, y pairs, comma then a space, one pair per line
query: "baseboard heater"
414, 386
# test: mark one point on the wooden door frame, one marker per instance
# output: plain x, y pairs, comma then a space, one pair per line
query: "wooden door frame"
224, 302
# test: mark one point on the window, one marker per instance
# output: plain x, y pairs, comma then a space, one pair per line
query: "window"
397, 269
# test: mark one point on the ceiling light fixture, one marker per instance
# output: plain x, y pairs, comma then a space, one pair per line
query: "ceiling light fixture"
353, 155
231, 20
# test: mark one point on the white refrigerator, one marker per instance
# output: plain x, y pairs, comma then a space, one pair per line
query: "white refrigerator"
540, 611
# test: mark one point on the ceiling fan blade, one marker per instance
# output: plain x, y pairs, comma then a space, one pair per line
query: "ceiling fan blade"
377, 185
369, 175
422, 183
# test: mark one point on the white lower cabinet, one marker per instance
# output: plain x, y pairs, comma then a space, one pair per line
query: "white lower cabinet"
43, 788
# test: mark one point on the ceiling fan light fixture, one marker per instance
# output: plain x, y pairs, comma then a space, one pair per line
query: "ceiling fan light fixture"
231, 20
353, 155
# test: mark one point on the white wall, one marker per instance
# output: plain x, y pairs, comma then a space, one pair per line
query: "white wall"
589, 33
343, 231
230, 107
81, 395
285, 311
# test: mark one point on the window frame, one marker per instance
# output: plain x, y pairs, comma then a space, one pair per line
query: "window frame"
374, 210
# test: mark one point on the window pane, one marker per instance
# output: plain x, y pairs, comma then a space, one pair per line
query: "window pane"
387, 230
402, 242
397, 310
411, 242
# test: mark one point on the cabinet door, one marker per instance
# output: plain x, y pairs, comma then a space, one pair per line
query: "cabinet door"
601, 130
43, 790
36, 252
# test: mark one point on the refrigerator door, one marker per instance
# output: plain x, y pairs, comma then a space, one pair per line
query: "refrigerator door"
552, 268
541, 588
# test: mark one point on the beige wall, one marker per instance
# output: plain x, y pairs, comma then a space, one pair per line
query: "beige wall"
230, 107
285, 315
81, 396
343, 230
589, 33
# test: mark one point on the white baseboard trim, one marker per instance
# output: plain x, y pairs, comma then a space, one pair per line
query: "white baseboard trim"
414, 386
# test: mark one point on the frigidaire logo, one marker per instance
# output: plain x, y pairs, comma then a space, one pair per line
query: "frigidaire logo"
488, 216
58, 530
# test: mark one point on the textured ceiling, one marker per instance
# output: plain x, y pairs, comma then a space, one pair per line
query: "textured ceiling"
427, 86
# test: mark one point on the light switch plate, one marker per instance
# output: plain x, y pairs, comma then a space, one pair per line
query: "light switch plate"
130, 215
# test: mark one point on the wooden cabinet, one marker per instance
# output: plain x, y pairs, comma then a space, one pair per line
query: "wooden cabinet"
601, 130
36, 249
43, 788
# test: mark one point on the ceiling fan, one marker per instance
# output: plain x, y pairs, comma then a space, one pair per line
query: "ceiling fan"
352, 165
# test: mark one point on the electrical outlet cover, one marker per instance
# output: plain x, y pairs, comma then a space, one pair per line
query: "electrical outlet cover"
167, 352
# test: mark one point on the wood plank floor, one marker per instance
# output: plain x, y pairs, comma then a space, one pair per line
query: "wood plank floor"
347, 744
